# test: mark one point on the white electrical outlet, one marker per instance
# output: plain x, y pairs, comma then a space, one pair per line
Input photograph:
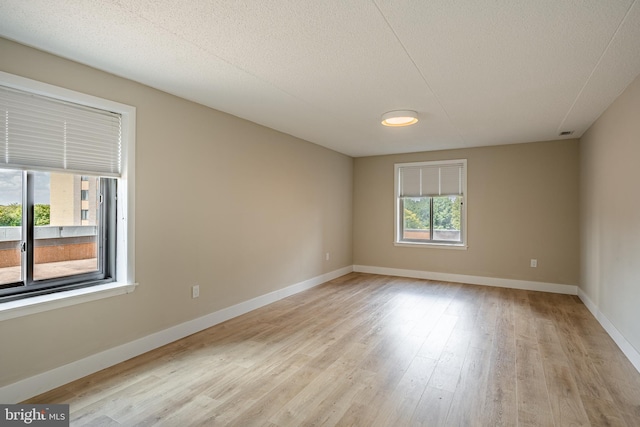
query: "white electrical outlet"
326, 256
195, 291
534, 263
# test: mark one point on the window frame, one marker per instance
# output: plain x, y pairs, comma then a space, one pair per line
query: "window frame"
398, 206
105, 240
124, 233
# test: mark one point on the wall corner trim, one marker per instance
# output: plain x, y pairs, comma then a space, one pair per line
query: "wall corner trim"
37, 384
472, 280
629, 350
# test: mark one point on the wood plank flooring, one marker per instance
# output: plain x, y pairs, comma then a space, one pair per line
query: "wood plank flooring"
368, 350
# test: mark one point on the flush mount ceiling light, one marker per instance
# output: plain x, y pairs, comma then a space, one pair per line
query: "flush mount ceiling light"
399, 118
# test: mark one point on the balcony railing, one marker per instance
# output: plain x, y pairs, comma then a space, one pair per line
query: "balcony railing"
58, 251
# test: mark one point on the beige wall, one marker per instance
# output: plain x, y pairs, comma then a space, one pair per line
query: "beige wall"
237, 208
522, 203
610, 207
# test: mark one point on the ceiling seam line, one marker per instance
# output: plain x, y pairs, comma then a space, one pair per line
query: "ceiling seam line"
595, 67
422, 76
208, 52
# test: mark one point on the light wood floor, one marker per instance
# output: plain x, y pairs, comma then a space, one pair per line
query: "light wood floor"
366, 350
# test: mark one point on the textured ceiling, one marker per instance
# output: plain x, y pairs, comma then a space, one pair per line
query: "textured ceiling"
479, 72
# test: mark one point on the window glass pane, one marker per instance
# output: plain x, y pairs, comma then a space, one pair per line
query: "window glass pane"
446, 218
416, 218
66, 225
10, 226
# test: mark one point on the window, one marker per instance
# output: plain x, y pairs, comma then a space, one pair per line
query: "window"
66, 182
430, 203
45, 243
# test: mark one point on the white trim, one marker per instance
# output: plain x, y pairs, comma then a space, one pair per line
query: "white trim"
472, 280
46, 89
126, 226
422, 245
431, 163
56, 377
627, 348
38, 304
587, 302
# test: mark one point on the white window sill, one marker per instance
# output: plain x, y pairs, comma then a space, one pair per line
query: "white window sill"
27, 306
459, 247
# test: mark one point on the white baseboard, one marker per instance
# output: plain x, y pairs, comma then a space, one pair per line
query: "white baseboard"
629, 350
49, 380
473, 280
46, 381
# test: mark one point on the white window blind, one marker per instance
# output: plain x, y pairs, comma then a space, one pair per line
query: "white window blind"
445, 179
43, 133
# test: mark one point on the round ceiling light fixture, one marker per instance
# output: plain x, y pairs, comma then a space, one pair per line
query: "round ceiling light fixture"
399, 118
